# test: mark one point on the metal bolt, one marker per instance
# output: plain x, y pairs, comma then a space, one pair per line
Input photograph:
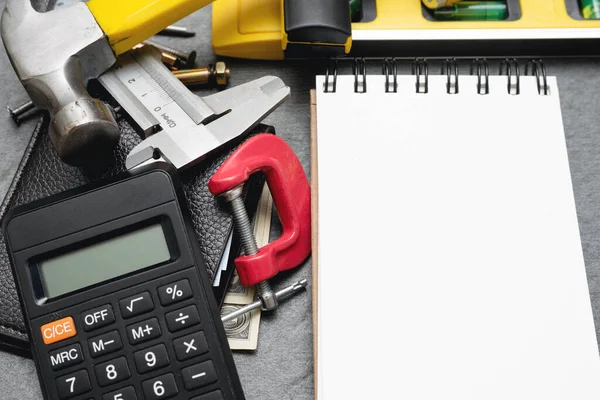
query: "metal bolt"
188, 58
280, 295
241, 221
218, 74
172, 61
221, 73
18, 112
174, 30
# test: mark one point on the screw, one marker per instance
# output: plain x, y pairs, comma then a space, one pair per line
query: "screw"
18, 112
241, 221
218, 74
189, 59
172, 61
280, 295
174, 30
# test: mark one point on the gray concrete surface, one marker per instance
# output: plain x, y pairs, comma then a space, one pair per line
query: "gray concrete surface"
281, 368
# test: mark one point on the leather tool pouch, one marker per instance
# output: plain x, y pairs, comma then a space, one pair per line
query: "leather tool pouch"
41, 173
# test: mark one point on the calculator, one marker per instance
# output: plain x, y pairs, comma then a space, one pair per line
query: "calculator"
115, 294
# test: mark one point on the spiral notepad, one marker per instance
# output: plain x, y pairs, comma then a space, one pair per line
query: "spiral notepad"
449, 259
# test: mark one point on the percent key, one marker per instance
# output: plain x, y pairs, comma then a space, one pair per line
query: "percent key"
174, 292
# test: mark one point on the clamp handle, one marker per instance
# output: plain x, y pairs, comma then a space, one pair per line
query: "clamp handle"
291, 195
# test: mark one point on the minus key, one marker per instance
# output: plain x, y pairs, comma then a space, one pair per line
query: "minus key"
199, 375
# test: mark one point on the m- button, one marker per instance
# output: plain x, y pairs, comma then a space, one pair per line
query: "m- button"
58, 330
98, 317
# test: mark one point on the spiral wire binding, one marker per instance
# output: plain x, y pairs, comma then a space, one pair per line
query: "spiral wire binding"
359, 69
481, 66
420, 70
332, 70
390, 68
450, 68
539, 70
511, 65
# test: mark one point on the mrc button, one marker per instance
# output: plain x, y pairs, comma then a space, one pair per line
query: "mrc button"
58, 330
97, 318
65, 357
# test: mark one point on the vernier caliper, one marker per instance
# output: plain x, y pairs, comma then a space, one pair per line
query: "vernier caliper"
180, 127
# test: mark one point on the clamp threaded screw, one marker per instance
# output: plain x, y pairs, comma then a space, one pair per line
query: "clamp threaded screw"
242, 224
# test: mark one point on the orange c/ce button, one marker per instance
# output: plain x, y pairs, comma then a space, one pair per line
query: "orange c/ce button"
58, 330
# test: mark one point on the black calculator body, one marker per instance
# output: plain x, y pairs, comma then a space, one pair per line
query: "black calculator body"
115, 294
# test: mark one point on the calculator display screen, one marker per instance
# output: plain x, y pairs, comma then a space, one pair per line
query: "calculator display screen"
104, 260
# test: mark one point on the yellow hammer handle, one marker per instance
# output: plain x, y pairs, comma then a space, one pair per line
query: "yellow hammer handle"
129, 22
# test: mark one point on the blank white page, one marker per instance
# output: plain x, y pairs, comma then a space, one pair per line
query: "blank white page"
450, 264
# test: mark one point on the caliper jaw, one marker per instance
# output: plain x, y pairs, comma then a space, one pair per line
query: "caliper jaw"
235, 112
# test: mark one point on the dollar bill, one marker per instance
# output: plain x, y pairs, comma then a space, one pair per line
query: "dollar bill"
242, 332
238, 293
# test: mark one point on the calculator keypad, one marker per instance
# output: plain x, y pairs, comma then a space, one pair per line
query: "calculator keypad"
143, 331
151, 358
105, 344
73, 384
98, 318
153, 348
174, 292
190, 346
136, 305
161, 387
216, 395
66, 356
112, 371
127, 393
199, 375
57, 331
182, 318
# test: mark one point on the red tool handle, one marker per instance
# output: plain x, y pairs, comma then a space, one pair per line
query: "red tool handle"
291, 194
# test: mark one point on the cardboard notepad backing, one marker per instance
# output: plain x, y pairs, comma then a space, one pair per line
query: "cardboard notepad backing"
453, 266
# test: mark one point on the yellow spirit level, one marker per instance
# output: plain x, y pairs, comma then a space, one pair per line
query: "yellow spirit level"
276, 29
261, 29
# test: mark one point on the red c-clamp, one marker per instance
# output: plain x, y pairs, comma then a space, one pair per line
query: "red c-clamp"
291, 195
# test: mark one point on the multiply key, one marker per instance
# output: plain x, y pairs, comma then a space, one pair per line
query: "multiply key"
190, 346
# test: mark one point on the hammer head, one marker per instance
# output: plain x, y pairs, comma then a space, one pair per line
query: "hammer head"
55, 54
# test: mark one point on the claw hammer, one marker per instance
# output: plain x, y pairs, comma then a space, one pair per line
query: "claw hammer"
56, 53
291, 195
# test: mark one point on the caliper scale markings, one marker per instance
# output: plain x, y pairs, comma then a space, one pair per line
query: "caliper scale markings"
152, 96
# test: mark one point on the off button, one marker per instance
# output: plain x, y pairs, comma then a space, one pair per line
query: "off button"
98, 317
58, 330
